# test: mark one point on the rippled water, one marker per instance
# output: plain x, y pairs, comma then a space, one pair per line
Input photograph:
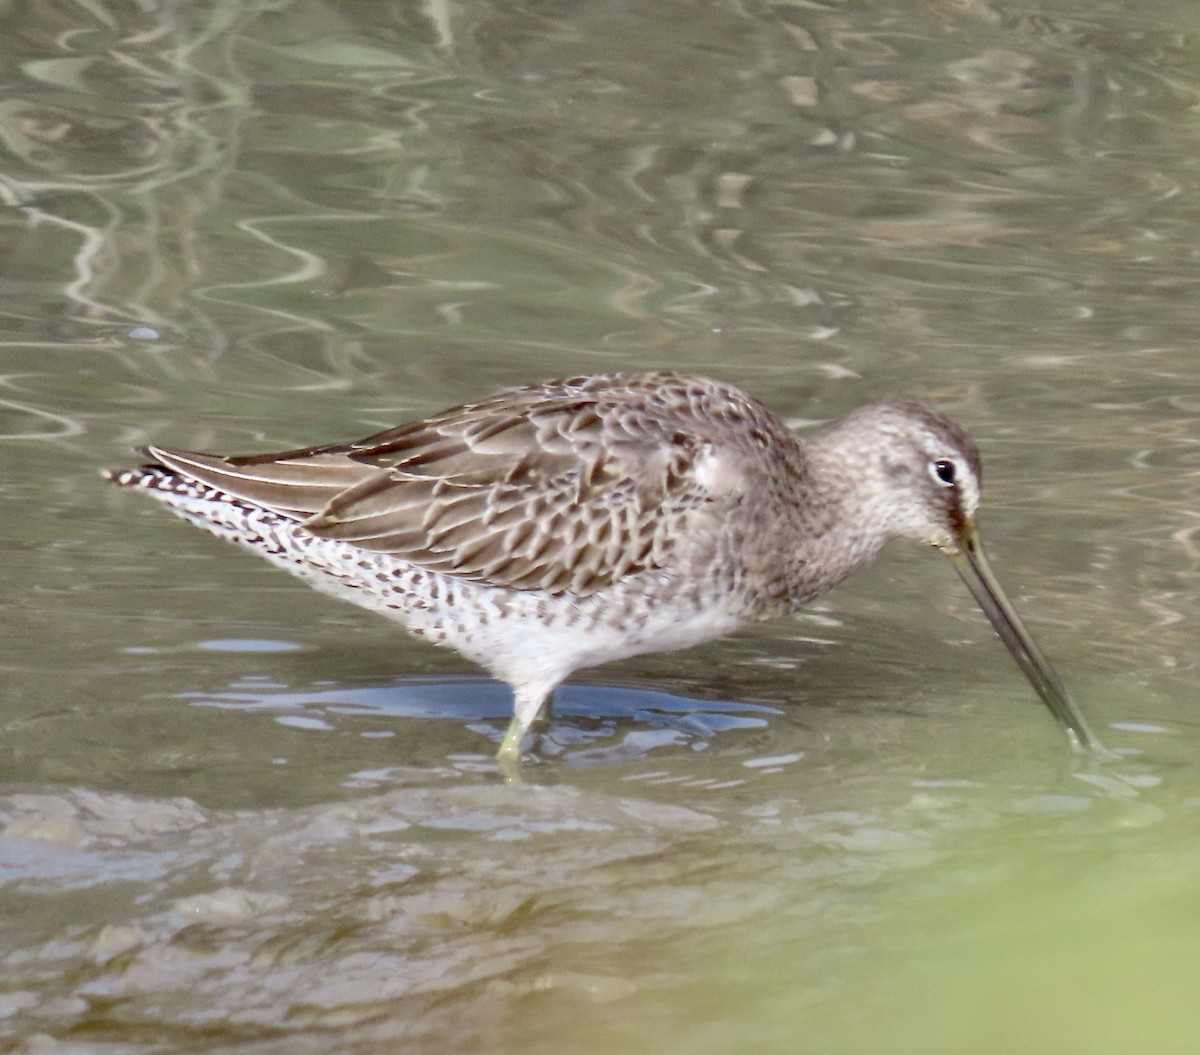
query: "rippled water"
236, 815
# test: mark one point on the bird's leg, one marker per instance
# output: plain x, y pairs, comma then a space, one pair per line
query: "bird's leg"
528, 702
510, 746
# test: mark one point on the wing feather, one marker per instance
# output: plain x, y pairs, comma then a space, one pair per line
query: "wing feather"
564, 486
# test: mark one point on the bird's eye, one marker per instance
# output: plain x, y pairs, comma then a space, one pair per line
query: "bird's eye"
944, 471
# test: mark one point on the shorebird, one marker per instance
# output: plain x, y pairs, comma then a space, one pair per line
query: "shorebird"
559, 525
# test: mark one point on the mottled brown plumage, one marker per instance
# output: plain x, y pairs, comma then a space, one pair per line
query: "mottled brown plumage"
558, 525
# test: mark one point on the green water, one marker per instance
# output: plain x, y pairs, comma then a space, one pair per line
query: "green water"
235, 815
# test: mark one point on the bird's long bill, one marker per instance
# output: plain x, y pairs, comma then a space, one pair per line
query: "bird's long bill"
971, 564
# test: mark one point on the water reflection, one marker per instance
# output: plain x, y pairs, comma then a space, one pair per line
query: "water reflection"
584, 722
333, 216
423, 913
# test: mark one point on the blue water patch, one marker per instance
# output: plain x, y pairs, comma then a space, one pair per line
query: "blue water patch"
468, 699
580, 712
247, 644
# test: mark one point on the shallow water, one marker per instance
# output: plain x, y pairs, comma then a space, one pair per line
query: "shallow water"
236, 815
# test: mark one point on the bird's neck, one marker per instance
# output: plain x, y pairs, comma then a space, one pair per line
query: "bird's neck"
840, 525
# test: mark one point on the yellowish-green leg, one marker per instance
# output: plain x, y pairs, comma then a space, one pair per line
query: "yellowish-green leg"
508, 758
527, 705
510, 746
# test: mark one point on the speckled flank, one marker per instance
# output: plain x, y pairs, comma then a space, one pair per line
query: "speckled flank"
559, 525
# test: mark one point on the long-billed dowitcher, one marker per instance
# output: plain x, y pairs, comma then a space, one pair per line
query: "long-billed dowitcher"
560, 525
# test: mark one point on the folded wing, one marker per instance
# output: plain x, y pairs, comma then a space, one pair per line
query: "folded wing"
531, 489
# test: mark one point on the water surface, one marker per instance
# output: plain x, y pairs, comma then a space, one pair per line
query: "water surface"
238, 816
